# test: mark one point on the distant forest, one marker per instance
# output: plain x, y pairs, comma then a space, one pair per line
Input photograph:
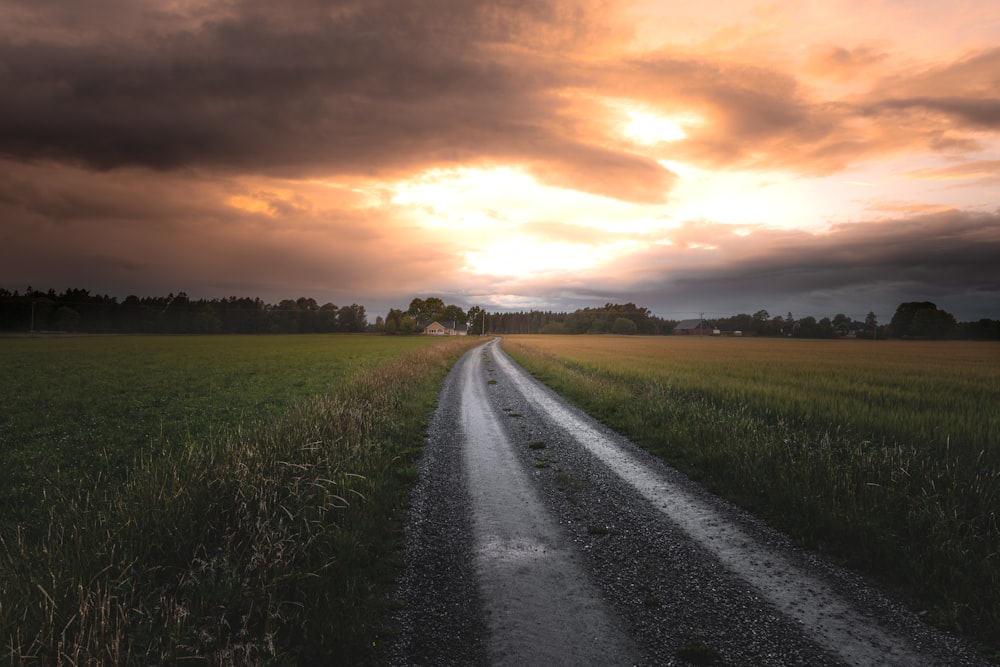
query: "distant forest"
79, 311
917, 320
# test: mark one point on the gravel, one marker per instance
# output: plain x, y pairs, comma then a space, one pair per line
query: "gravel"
677, 600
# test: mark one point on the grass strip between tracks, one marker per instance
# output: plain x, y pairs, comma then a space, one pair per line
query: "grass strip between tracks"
276, 543
920, 514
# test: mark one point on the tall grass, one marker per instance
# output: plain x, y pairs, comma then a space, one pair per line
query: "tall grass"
273, 544
90, 404
883, 453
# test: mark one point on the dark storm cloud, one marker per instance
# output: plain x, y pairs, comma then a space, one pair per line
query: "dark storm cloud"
262, 147
948, 257
305, 87
64, 197
122, 233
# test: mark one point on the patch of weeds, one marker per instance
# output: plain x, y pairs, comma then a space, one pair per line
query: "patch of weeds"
492, 382
542, 463
598, 529
408, 473
566, 481
537, 444
514, 414
699, 653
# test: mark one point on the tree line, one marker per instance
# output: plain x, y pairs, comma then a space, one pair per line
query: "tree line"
422, 312
79, 311
912, 320
613, 318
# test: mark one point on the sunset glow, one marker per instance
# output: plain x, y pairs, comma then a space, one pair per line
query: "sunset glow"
647, 128
528, 257
807, 157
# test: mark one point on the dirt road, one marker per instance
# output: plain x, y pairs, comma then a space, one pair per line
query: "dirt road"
540, 537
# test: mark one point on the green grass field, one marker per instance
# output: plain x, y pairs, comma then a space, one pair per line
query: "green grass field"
85, 406
886, 453
238, 500
233, 500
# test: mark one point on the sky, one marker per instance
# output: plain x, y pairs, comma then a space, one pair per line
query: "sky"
812, 157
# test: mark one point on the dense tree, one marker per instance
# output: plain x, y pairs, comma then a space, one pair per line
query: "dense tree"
452, 314
286, 317
826, 328
326, 318
743, 323
585, 320
392, 321
808, 327
416, 306
773, 327
477, 321
352, 319
426, 310
934, 324
67, 319
984, 329
921, 319
408, 325
871, 326
759, 324
624, 326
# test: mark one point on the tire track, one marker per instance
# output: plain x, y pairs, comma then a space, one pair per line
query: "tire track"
829, 619
541, 606
589, 551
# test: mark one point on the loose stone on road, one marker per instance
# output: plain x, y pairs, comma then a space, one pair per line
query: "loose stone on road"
539, 537
541, 606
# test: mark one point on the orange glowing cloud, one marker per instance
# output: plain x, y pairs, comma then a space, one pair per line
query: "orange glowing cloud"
549, 153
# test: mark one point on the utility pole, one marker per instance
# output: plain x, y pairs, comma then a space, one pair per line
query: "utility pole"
701, 320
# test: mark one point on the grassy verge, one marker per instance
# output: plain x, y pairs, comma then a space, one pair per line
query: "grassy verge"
919, 508
273, 543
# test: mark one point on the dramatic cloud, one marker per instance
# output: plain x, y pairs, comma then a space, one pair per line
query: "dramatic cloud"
542, 153
299, 88
206, 237
853, 268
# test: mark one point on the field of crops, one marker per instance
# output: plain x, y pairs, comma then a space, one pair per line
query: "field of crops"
234, 499
237, 499
886, 453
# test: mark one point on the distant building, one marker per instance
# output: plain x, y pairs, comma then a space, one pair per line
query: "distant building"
695, 328
436, 328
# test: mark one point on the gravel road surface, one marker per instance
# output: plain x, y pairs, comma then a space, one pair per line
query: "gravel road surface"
540, 537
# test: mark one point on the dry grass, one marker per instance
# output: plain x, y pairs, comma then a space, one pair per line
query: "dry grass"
882, 452
276, 544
